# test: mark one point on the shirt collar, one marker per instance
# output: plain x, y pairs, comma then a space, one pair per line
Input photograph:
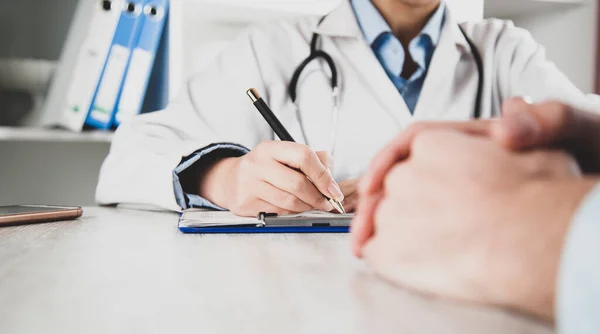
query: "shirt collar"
433, 28
373, 24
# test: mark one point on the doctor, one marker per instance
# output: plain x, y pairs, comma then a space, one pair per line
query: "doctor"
393, 62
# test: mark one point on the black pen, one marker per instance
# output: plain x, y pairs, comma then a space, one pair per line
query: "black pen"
281, 132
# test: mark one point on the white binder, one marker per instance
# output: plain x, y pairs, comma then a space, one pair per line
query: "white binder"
81, 64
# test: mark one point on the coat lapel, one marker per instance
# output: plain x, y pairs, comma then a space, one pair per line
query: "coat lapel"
341, 24
442, 71
342, 27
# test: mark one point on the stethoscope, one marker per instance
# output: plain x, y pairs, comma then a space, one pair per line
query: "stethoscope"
320, 54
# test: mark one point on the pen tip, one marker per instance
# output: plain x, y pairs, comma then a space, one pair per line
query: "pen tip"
338, 206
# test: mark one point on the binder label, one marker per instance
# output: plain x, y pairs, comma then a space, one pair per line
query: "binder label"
82, 86
134, 88
113, 73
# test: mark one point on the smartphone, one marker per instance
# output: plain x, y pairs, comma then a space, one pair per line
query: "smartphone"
34, 214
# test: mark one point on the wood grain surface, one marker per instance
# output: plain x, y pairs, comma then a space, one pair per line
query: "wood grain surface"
126, 271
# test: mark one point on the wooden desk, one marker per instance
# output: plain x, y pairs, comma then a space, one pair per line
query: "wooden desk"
124, 271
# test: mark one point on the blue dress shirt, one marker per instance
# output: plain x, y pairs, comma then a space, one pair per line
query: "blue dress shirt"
578, 298
189, 200
390, 51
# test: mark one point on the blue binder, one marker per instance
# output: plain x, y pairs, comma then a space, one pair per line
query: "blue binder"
109, 87
157, 94
262, 230
143, 60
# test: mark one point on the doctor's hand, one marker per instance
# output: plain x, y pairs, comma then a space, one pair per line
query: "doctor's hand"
464, 218
272, 178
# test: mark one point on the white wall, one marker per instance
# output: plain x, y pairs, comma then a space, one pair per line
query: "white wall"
569, 36
566, 28
464, 10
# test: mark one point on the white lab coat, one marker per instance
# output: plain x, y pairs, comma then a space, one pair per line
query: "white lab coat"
213, 106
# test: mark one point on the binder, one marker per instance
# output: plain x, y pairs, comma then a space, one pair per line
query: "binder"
111, 81
81, 63
215, 222
143, 59
159, 88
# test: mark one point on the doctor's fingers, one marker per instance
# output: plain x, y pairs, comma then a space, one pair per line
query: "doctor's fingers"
363, 224
306, 160
326, 159
253, 206
399, 149
293, 182
280, 198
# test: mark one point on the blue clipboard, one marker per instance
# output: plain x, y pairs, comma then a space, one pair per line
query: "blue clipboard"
267, 223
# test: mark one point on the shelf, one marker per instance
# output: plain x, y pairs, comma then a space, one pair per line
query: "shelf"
29, 134
516, 8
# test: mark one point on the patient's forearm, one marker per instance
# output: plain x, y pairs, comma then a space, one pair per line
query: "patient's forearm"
535, 265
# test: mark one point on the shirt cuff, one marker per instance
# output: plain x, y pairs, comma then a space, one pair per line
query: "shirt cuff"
578, 296
185, 200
